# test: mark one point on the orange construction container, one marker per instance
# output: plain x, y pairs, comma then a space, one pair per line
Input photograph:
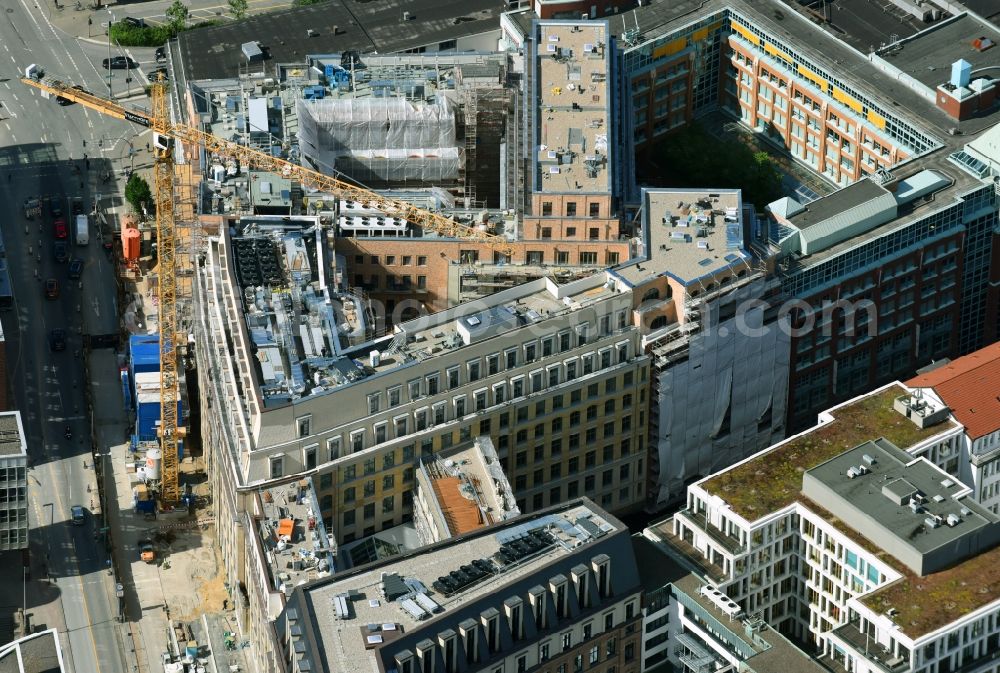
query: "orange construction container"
285, 528
131, 239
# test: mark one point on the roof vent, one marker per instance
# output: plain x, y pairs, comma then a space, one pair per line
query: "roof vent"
852, 472
869, 459
982, 43
863, 469
965, 511
932, 522
915, 507
953, 519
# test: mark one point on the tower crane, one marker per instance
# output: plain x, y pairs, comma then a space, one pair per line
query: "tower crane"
165, 133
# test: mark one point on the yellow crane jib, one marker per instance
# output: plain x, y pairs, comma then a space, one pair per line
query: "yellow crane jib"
434, 222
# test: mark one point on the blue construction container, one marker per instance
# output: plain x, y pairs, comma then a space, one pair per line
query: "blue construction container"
144, 353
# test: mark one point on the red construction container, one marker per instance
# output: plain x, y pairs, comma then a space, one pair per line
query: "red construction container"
131, 239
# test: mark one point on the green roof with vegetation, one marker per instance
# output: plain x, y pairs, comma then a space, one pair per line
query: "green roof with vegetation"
773, 479
925, 604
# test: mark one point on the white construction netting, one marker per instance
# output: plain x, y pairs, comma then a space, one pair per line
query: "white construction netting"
389, 140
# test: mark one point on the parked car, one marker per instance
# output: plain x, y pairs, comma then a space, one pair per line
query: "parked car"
55, 208
119, 63
60, 252
59, 228
51, 288
155, 75
76, 268
57, 339
161, 54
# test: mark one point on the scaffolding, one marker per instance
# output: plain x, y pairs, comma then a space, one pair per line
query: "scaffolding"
381, 140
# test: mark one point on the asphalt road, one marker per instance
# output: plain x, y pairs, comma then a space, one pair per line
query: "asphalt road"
42, 146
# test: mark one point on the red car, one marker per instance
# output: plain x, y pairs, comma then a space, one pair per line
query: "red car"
51, 288
60, 228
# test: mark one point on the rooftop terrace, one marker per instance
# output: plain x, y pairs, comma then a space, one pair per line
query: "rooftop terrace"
925, 604
773, 478
572, 92
400, 595
293, 534
11, 438
689, 235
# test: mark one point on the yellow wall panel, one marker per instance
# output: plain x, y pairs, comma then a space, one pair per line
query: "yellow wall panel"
745, 32
774, 51
813, 77
670, 48
847, 99
876, 118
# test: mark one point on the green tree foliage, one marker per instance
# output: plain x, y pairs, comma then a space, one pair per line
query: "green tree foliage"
177, 15
137, 192
238, 8
694, 158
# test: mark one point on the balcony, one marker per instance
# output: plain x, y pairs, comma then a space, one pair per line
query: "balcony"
728, 542
866, 647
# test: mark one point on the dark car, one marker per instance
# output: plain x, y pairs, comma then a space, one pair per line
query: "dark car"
76, 268
77, 207
119, 63
57, 339
155, 75
59, 228
60, 252
78, 515
51, 288
161, 54
55, 208
132, 21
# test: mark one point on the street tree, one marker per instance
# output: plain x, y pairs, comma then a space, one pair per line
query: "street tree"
238, 8
177, 15
137, 192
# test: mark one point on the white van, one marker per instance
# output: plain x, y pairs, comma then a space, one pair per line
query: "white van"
82, 230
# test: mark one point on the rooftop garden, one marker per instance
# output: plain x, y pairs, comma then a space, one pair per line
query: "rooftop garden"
924, 604
773, 479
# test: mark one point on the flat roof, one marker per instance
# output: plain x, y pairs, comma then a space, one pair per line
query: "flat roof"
924, 604
370, 602
11, 440
877, 502
689, 234
770, 651
338, 25
772, 479
572, 96
928, 55
826, 207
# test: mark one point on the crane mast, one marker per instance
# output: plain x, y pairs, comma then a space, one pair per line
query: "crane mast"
166, 289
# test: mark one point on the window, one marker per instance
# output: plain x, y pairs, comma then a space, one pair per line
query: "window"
452, 374
373, 400
432, 384
333, 448
492, 364
310, 456
571, 209
546, 208
388, 504
567, 641
595, 209
421, 261
304, 426
529, 352
594, 233
459, 406
413, 388
370, 511
562, 256
400, 423
510, 356
594, 655
588, 258
349, 518
543, 652
276, 467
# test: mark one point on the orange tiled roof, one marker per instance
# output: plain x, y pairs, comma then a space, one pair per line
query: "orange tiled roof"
970, 386
461, 514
